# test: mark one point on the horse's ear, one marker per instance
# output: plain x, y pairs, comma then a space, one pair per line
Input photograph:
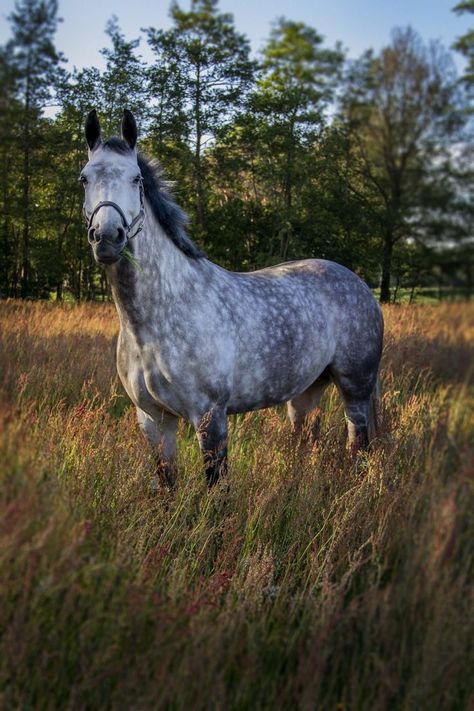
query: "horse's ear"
129, 129
92, 129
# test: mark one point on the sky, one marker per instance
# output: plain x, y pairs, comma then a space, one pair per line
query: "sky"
358, 24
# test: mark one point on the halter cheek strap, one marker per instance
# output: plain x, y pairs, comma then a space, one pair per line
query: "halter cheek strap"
137, 220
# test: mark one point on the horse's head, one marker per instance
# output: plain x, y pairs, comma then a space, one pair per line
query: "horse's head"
113, 203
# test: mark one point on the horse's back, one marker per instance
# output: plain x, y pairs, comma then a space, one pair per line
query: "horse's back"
330, 276
326, 296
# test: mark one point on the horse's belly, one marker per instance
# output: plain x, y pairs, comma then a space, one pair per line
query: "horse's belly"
262, 384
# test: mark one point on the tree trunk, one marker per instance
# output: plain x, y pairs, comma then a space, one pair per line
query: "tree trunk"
6, 250
78, 291
200, 199
25, 265
395, 293
386, 268
468, 273
286, 231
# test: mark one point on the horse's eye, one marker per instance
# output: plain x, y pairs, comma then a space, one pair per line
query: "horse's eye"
137, 179
82, 179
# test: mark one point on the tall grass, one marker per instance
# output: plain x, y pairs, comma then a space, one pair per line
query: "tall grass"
307, 582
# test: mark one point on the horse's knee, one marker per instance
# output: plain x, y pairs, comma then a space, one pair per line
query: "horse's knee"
148, 426
211, 430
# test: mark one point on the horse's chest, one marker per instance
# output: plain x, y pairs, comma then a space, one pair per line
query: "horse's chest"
145, 384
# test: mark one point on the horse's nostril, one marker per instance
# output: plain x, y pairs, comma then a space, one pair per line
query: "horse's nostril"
94, 236
112, 236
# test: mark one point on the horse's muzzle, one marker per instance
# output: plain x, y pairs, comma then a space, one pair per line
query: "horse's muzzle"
107, 247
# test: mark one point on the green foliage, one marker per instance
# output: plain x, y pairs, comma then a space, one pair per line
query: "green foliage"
297, 80
465, 43
201, 75
32, 52
31, 65
298, 154
297, 76
402, 113
122, 83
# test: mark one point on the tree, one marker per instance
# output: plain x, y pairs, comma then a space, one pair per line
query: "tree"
203, 65
297, 80
77, 94
402, 112
9, 198
465, 43
123, 84
35, 63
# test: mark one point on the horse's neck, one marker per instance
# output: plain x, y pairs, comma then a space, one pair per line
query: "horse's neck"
152, 279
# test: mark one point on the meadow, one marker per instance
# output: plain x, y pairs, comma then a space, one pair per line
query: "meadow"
306, 581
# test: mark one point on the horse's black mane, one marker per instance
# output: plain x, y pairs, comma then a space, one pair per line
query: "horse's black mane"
157, 191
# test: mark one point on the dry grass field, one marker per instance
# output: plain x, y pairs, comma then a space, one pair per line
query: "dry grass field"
312, 582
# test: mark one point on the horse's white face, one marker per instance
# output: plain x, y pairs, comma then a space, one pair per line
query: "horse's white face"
110, 176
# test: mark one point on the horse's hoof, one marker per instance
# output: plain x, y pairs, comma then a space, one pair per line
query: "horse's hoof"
220, 493
161, 483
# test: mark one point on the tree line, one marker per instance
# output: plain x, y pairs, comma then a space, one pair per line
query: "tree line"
295, 154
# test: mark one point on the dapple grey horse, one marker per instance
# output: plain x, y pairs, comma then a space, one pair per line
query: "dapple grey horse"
199, 342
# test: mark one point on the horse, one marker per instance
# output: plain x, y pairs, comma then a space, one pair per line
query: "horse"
200, 342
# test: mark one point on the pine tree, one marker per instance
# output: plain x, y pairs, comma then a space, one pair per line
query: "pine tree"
465, 43
78, 93
297, 80
9, 198
123, 83
35, 63
213, 75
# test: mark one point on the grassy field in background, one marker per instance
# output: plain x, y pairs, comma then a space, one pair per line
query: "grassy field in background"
427, 294
311, 583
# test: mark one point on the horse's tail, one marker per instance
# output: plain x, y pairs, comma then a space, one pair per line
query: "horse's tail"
374, 412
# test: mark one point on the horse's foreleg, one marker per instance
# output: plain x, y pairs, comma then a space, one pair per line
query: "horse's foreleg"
160, 432
212, 435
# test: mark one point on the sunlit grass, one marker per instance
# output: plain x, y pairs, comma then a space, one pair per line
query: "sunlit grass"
305, 582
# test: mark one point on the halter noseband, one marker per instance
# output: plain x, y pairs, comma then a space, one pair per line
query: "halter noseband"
140, 218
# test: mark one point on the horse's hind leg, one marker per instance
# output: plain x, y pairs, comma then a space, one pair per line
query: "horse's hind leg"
357, 397
357, 418
160, 431
300, 407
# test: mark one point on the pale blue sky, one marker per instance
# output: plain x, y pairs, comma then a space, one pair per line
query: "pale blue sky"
358, 24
